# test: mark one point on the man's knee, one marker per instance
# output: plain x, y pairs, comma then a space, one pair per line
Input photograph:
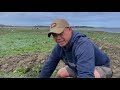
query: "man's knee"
62, 73
103, 72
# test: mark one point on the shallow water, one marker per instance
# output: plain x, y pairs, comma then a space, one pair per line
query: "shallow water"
113, 30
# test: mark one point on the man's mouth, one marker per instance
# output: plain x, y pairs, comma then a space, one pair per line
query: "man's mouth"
61, 43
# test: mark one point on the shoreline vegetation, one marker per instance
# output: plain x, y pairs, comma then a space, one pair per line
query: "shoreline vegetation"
24, 50
90, 28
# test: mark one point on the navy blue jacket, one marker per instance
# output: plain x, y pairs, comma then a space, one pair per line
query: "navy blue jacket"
81, 55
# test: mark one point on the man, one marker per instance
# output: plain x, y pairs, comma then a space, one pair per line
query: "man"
82, 57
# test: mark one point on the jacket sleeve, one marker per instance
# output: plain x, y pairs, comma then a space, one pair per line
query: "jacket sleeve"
50, 64
85, 60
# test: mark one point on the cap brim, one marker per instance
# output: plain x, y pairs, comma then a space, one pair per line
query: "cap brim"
49, 34
57, 31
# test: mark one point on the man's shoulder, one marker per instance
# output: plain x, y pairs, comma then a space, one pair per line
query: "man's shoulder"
57, 51
57, 48
82, 42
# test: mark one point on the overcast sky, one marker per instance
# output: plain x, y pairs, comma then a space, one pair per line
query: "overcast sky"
97, 19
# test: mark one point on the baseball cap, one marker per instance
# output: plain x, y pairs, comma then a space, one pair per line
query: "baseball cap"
58, 26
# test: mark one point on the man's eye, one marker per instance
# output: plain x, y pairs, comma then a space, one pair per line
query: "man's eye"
54, 35
61, 33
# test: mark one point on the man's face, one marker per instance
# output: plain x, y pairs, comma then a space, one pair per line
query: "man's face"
63, 38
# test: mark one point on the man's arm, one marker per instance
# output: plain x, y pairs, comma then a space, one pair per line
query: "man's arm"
85, 60
50, 64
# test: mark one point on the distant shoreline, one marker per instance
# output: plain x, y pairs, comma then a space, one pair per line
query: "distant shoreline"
105, 29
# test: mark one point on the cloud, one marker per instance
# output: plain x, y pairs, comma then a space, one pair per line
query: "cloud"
74, 18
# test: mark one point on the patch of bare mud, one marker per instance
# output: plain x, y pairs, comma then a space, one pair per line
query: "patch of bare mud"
21, 61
